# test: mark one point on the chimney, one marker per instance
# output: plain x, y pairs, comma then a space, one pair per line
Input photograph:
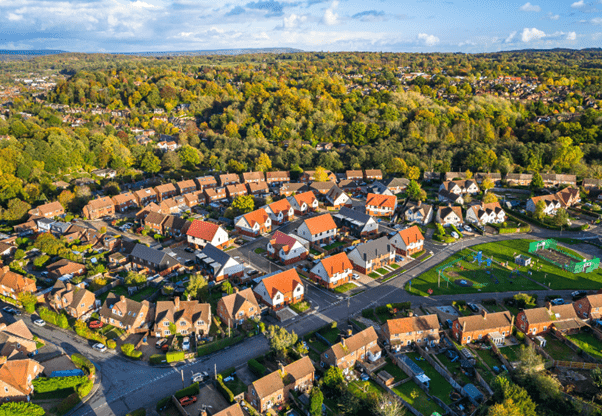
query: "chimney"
365, 257
419, 203
69, 286
484, 313
343, 342
236, 289
122, 298
549, 306
281, 367
176, 302
464, 327
511, 322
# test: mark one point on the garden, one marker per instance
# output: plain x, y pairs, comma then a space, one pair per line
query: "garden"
588, 343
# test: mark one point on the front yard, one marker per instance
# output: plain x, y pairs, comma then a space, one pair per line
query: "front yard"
345, 288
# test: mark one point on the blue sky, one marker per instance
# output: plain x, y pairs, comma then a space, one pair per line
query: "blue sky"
313, 25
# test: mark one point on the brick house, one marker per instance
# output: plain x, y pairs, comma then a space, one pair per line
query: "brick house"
201, 233
381, 205
589, 307
354, 175
396, 185
317, 230
194, 198
355, 222
186, 187
228, 179
125, 201
175, 226
373, 174
234, 309
280, 211
234, 190
409, 241
304, 203
98, 208
76, 300
189, 317
16, 377
362, 346
258, 189
519, 179
17, 340
274, 389
64, 268
495, 177
277, 178
214, 194
422, 330
254, 223
155, 222
477, 327
204, 182
12, 284
165, 191
146, 196
125, 313
554, 179
286, 248
538, 321
289, 189
50, 210
372, 255
280, 289
332, 271
253, 177
552, 204
321, 188
591, 183
218, 264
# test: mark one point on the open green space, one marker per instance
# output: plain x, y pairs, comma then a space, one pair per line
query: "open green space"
394, 266
511, 352
558, 350
331, 334
417, 398
588, 343
344, 288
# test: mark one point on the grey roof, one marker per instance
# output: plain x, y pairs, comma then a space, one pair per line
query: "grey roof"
151, 255
377, 188
375, 248
395, 182
47, 221
60, 227
355, 215
216, 254
449, 195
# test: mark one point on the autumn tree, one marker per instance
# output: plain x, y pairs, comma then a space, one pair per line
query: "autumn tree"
320, 175
540, 213
468, 174
150, 163
397, 165
387, 405
171, 161
415, 191
243, 204
566, 155
28, 300
197, 286
189, 156
333, 378
16, 210
65, 198
280, 339
487, 184
489, 198
413, 173
263, 163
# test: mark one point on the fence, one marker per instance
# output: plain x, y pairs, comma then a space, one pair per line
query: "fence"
539, 350
179, 407
560, 336
501, 356
392, 393
576, 365
107, 287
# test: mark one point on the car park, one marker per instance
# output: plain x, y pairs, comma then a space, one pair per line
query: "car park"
39, 322
473, 307
187, 400
99, 347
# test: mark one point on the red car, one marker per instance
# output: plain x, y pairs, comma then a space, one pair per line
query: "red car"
95, 324
186, 400
165, 347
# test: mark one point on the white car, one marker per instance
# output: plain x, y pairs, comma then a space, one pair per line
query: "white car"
39, 322
355, 276
467, 228
455, 234
199, 377
99, 347
186, 344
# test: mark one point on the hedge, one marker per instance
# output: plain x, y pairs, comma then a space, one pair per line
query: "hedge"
111, 344
162, 403
82, 362
157, 359
69, 403
257, 368
224, 389
191, 390
401, 306
174, 356
218, 345
46, 385
54, 318
85, 388
541, 223
10, 300
20, 409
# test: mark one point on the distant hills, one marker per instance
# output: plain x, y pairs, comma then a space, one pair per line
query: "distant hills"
42, 52
33, 52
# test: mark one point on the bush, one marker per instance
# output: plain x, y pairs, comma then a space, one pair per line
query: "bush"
129, 350
46, 385
85, 388
191, 390
68, 404
157, 359
111, 344
368, 313
174, 356
382, 309
402, 306
20, 409
520, 336
82, 362
460, 304
333, 325
162, 403
257, 368
224, 390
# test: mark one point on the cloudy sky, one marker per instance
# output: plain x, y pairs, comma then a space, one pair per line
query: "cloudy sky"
313, 25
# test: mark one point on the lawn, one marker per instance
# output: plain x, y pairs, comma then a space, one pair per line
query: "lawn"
558, 350
317, 345
315, 357
394, 266
417, 254
394, 370
344, 288
382, 271
588, 343
489, 358
333, 245
236, 386
417, 398
299, 307
331, 334
361, 389
456, 369
511, 352
314, 252
503, 251
438, 385
259, 250
374, 275
494, 308
144, 293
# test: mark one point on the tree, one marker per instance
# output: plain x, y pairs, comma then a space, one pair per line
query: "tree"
16, 210
134, 279
197, 286
28, 300
468, 174
387, 405
413, 173
173, 329
566, 155
62, 321
189, 156
243, 204
227, 287
529, 360
537, 181
301, 349
333, 378
280, 339
150, 163
320, 175
415, 191
128, 349
596, 375
66, 198
20, 409
489, 198
539, 213
561, 218
263, 163
487, 184
506, 390
506, 408
316, 399
19, 254
171, 161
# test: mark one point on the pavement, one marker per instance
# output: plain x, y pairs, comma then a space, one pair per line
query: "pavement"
128, 385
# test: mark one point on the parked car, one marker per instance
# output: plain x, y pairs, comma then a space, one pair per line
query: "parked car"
558, 301
39, 322
186, 344
95, 324
578, 294
355, 276
473, 307
467, 228
188, 400
455, 234
199, 377
365, 377
160, 343
449, 323
44, 274
99, 347
8, 309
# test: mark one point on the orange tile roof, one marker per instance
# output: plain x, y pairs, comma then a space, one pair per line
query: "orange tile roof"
14, 280
186, 184
280, 206
336, 264
320, 224
283, 282
203, 230
167, 187
257, 216
124, 198
15, 372
308, 197
385, 201
412, 324
411, 235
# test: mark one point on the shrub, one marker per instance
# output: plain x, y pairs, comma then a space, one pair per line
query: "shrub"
224, 389
520, 336
45, 385
85, 388
157, 359
368, 313
191, 390
20, 409
82, 362
174, 356
257, 368
162, 403
333, 325
127, 349
401, 306
382, 309
111, 344
460, 304
68, 404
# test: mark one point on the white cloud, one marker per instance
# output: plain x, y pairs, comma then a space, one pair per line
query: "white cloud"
571, 36
330, 17
429, 40
532, 34
294, 20
597, 20
552, 16
510, 37
14, 17
528, 7
142, 5
578, 4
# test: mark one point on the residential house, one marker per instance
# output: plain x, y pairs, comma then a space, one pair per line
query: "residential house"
279, 289
146, 196
519, 179
76, 300
214, 194
337, 198
194, 198
372, 255
254, 223
318, 230
356, 222
98, 208
154, 221
361, 347
16, 378
165, 191
350, 186
591, 183
450, 197
125, 201
495, 177
496, 326
204, 182
16, 341
449, 215
13, 284
280, 211
274, 389
175, 226
552, 204
491, 213
403, 332
186, 187
50, 210
467, 186
555, 179
589, 307
332, 271
236, 190
174, 205
397, 185
355, 175
304, 203
409, 241
228, 179
309, 176
126, 314
219, 265
324, 147
378, 188
538, 321
44, 224
419, 212
168, 146
236, 308
277, 178
373, 175
288, 189
201, 233
450, 176
65, 268
431, 176
321, 188
381, 205
258, 189
153, 259
188, 317
287, 248
104, 173
253, 177
7, 250
569, 196
26, 228
234, 410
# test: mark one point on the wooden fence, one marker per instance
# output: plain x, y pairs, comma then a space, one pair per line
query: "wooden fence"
576, 365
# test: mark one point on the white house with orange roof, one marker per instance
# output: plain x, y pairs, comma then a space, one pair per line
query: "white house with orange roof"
201, 233
332, 271
381, 205
320, 229
254, 223
407, 242
280, 211
286, 248
280, 289
304, 203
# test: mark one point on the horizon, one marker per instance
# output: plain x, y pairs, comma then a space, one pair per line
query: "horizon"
169, 26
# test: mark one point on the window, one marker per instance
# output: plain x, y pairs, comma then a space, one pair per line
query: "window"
165, 323
182, 323
6, 389
545, 328
166, 333
468, 338
325, 355
280, 397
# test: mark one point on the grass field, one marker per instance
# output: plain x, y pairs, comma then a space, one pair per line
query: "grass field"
331, 334
511, 352
489, 358
361, 389
588, 343
394, 370
344, 288
548, 274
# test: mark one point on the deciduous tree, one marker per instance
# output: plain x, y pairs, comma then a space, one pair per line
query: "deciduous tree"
263, 163
316, 401
489, 198
320, 175
415, 191
243, 204
537, 181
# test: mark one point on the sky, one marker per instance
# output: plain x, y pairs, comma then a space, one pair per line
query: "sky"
312, 25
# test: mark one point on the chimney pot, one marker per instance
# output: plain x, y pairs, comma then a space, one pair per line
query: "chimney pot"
484, 313
69, 286
122, 298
